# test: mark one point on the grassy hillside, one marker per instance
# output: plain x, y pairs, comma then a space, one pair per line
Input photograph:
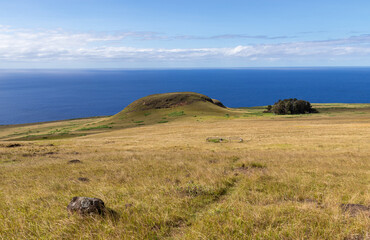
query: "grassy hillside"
163, 108
287, 180
153, 109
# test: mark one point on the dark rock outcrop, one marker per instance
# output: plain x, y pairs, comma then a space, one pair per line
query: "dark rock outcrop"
218, 103
85, 206
74, 161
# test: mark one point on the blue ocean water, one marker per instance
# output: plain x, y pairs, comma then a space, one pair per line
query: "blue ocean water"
45, 95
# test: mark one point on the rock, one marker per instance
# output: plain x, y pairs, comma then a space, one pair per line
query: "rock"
86, 206
355, 209
83, 179
13, 145
75, 161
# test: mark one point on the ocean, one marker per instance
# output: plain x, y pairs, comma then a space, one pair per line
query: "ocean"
28, 96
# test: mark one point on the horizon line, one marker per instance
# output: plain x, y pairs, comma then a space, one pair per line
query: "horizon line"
184, 68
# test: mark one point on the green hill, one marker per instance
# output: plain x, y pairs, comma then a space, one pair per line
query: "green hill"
167, 100
149, 110
161, 108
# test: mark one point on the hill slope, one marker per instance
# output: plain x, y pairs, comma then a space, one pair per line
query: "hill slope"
161, 108
167, 100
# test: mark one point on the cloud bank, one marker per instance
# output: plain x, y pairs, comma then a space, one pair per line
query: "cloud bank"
24, 45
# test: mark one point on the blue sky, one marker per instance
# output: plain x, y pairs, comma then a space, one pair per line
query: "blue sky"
175, 34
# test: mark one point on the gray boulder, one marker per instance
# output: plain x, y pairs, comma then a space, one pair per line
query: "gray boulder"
86, 206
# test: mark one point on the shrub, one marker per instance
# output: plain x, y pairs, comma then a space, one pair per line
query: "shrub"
97, 127
176, 114
291, 106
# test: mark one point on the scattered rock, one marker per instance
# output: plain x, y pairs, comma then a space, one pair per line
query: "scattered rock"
86, 206
224, 139
74, 161
49, 153
355, 209
83, 179
13, 145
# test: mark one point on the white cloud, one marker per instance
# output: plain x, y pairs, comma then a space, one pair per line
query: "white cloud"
57, 45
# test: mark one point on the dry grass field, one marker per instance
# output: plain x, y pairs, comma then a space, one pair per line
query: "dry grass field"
286, 180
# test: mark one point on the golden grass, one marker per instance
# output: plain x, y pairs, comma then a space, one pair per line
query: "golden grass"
165, 181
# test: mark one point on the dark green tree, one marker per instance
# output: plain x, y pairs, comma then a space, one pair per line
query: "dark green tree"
291, 106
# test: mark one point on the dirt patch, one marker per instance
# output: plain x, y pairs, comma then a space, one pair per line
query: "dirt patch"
357, 237
355, 209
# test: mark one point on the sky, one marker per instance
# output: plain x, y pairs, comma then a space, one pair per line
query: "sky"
183, 33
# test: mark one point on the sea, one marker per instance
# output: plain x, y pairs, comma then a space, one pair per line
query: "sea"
28, 96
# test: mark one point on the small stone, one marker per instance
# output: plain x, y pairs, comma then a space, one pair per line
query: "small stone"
83, 179
75, 161
86, 206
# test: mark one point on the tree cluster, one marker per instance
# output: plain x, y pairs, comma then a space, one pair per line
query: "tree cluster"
291, 106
